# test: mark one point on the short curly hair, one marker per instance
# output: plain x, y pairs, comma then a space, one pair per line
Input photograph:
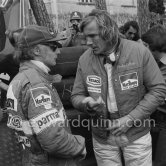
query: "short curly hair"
127, 25
133, 24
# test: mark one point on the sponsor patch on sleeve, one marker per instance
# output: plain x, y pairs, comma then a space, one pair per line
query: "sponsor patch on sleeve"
15, 122
93, 80
11, 95
47, 119
41, 96
95, 90
129, 81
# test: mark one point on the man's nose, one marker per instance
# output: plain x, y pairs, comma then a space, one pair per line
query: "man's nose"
75, 22
132, 36
89, 41
58, 51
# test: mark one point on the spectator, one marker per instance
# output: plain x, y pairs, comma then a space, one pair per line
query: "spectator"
75, 38
131, 30
156, 41
34, 107
119, 84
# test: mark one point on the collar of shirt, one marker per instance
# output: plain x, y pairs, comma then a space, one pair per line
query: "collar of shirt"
111, 56
110, 59
41, 65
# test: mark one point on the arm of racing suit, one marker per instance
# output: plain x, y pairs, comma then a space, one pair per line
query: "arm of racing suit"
156, 88
46, 117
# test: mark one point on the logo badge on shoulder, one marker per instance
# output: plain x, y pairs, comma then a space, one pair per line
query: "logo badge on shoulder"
41, 96
93, 80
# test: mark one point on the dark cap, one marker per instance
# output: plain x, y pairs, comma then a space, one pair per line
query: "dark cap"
75, 16
33, 34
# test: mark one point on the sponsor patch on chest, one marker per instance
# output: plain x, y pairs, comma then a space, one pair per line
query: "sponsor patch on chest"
93, 80
41, 96
129, 81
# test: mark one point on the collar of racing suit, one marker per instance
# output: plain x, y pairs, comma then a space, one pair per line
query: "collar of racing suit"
41, 65
50, 78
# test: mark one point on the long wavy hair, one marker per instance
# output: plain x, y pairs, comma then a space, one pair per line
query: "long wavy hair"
108, 29
20, 54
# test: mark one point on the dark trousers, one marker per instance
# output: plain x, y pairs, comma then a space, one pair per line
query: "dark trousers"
160, 153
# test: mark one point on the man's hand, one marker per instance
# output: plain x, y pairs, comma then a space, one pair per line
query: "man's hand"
120, 126
93, 104
73, 32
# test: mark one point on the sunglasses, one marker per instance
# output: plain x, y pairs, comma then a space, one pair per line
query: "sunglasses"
52, 47
131, 33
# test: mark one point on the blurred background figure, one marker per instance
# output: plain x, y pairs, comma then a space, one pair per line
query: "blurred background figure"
76, 38
155, 39
131, 30
121, 32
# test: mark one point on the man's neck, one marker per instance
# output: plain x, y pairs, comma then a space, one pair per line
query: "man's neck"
41, 65
113, 48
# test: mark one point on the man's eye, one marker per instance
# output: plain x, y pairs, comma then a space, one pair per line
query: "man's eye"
93, 35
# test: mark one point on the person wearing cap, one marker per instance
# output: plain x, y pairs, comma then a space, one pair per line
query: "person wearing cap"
34, 108
119, 84
155, 39
76, 38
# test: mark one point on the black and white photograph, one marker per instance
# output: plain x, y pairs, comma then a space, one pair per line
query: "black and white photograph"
82, 82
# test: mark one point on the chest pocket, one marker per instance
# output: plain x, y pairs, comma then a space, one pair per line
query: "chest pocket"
129, 81
129, 76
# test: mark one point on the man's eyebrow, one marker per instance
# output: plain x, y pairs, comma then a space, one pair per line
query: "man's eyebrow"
94, 34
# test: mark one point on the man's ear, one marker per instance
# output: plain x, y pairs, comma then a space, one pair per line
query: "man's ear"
36, 50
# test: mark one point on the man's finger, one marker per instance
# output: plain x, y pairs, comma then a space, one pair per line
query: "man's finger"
86, 100
119, 131
111, 128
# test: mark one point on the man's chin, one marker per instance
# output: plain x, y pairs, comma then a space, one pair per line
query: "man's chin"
96, 52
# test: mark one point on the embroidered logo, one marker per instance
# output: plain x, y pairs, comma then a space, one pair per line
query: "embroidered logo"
47, 119
129, 81
12, 94
15, 122
41, 96
96, 90
24, 140
42, 99
93, 80
10, 104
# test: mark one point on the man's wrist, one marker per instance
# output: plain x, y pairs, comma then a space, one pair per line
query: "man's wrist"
89, 110
130, 119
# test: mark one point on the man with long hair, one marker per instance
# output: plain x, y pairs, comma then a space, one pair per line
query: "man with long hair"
119, 84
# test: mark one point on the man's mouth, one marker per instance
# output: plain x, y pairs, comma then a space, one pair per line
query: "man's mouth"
94, 48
